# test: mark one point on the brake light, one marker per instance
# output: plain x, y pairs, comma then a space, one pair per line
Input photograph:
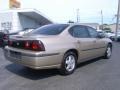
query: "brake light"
34, 45
37, 46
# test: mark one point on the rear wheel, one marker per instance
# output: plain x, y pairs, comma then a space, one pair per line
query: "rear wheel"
69, 63
108, 52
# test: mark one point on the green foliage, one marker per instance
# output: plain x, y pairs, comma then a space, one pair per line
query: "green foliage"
70, 21
106, 28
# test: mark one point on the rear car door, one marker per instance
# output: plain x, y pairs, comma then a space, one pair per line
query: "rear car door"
83, 41
99, 43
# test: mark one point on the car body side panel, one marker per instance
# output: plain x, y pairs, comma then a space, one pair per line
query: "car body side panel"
100, 47
85, 48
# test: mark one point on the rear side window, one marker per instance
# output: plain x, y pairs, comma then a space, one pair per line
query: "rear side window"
52, 29
79, 31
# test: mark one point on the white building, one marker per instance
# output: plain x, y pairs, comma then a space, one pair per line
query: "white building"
19, 19
94, 25
113, 27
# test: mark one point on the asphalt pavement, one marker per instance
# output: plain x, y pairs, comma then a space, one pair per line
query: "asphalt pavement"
97, 74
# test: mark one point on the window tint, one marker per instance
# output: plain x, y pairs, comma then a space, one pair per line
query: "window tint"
93, 32
52, 29
79, 31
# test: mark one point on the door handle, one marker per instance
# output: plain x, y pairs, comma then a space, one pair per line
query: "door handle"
94, 41
78, 42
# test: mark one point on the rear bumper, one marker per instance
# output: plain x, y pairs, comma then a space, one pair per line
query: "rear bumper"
39, 61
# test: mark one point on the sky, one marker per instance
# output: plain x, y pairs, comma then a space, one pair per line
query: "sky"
62, 11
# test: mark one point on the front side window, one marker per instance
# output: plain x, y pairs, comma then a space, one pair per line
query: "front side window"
52, 29
79, 32
93, 32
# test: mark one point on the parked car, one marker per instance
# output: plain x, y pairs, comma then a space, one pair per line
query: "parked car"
114, 37
103, 33
60, 46
5, 36
110, 35
3, 39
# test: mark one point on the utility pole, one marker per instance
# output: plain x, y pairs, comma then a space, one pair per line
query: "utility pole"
102, 19
78, 16
117, 21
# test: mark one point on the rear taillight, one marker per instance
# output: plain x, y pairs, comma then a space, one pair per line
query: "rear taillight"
10, 42
34, 45
27, 44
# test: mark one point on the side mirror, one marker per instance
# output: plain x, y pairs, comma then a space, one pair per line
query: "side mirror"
101, 35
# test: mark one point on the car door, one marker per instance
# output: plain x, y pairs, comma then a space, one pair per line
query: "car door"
99, 43
83, 41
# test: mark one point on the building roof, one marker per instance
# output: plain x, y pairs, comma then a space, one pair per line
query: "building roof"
93, 24
32, 13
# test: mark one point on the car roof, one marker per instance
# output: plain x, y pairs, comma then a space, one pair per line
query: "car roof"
71, 24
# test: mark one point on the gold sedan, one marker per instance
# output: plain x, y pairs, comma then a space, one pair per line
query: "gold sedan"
60, 46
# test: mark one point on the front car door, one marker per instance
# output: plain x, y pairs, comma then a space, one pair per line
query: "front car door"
99, 45
83, 41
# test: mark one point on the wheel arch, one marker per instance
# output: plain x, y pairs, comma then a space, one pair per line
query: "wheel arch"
74, 51
110, 44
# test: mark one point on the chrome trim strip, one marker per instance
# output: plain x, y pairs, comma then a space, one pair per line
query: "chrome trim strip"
32, 55
40, 55
93, 48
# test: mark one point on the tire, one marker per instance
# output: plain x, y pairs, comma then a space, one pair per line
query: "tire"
69, 62
108, 52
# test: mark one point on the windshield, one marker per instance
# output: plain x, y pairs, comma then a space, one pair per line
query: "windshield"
52, 29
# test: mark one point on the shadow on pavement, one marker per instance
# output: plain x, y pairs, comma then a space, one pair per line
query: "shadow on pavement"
89, 62
39, 74
31, 73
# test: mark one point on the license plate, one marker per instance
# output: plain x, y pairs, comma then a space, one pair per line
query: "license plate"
15, 54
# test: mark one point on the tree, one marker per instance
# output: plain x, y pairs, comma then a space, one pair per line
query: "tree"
70, 21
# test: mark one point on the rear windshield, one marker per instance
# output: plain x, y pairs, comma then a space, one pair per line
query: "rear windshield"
52, 29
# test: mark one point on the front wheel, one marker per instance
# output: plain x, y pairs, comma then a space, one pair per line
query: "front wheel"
69, 63
108, 52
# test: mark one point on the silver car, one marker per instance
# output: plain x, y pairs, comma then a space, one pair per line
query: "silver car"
60, 46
